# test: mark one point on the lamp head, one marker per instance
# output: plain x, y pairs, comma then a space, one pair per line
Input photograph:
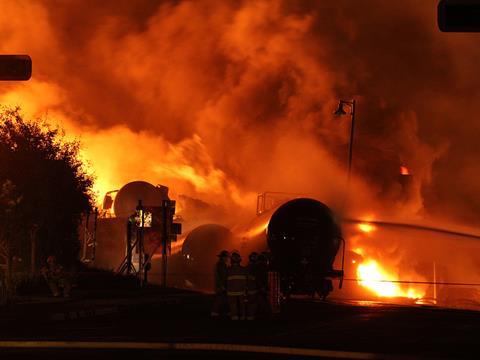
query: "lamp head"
340, 110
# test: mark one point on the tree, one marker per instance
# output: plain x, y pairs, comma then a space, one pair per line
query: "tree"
44, 189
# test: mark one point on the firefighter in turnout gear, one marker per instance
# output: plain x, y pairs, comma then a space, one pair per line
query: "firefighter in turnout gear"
252, 288
56, 278
236, 287
220, 272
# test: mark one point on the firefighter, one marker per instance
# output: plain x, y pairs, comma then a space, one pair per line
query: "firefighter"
261, 278
252, 290
220, 274
236, 287
56, 278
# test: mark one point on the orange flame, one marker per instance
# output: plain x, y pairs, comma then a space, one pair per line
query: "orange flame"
256, 230
376, 278
404, 170
382, 283
366, 227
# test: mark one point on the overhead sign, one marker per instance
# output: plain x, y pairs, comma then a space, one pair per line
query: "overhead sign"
15, 67
459, 15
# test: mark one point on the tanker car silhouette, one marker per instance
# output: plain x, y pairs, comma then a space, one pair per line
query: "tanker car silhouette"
301, 237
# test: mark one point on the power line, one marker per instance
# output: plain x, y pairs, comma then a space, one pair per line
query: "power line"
414, 282
347, 279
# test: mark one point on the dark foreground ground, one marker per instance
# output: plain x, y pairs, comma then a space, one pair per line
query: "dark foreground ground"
172, 324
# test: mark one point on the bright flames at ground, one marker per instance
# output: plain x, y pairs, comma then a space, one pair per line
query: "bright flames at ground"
372, 276
376, 278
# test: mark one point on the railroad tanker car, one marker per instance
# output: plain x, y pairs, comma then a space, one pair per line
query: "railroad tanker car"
301, 236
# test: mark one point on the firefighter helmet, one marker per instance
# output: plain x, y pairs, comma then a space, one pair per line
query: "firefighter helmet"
253, 256
223, 253
236, 258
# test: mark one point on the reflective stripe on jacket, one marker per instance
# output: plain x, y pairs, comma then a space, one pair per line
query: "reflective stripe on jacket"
236, 280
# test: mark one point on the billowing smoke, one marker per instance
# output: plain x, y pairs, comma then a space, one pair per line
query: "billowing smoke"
223, 99
220, 100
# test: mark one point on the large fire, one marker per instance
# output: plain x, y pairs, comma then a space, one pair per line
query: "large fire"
375, 276
218, 100
383, 283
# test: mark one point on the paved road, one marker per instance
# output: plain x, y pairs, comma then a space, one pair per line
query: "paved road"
368, 328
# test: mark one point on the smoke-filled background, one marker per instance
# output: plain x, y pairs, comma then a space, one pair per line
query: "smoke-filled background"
220, 100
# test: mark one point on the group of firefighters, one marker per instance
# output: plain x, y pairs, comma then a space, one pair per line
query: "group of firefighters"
241, 291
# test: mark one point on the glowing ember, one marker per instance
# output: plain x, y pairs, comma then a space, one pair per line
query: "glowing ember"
366, 227
404, 170
377, 279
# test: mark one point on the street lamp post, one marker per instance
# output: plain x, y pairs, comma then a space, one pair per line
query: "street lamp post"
340, 112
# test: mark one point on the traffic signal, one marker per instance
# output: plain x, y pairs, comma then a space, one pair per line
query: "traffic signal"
459, 15
15, 67
160, 220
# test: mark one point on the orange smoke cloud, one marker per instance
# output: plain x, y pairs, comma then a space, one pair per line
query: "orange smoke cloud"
219, 100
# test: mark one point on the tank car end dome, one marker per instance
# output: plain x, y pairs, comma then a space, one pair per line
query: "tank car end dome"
127, 197
303, 231
206, 242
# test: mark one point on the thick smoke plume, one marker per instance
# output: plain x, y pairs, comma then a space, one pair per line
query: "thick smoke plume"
223, 99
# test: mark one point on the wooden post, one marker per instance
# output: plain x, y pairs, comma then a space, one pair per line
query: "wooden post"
165, 234
140, 245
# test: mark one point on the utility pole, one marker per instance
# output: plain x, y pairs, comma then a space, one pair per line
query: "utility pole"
350, 148
140, 249
166, 233
340, 111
